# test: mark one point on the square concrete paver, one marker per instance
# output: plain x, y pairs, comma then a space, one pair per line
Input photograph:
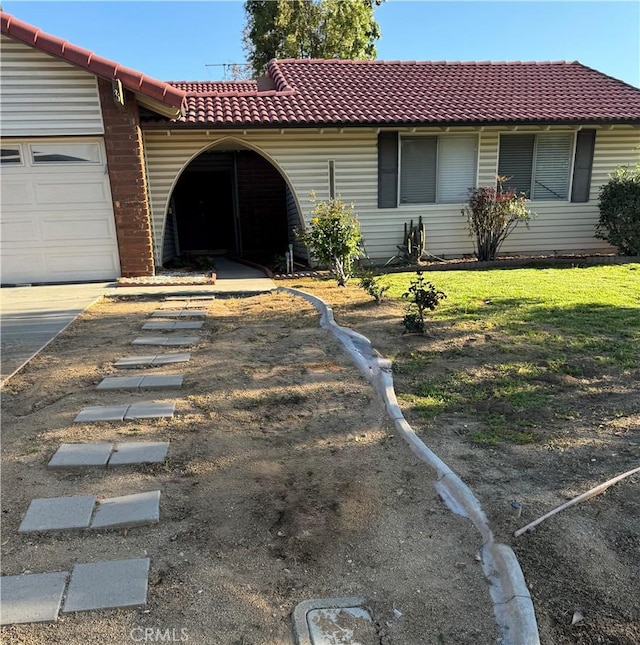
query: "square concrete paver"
129, 510
150, 340
179, 313
58, 514
32, 598
72, 455
159, 325
106, 585
150, 410
175, 341
139, 452
102, 413
129, 362
162, 380
119, 383
168, 359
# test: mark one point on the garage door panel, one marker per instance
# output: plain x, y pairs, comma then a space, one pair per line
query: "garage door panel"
57, 217
75, 192
90, 266
18, 265
16, 193
87, 229
19, 230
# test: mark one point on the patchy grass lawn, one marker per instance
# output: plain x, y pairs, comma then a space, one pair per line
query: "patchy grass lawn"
527, 383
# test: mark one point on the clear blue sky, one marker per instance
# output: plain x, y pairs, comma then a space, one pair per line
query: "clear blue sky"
176, 40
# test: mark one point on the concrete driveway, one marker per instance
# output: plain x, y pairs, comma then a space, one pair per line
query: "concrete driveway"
31, 317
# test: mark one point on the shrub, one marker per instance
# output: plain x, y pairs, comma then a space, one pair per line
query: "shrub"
492, 214
334, 237
422, 296
372, 285
619, 205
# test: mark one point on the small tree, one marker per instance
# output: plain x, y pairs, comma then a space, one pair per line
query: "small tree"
492, 214
422, 295
334, 237
619, 206
372, 286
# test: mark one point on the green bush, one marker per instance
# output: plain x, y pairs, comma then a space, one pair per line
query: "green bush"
422, 295
334, 237
372, 285
492, 214
619, 205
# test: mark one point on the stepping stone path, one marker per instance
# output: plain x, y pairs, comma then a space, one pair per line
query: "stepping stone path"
152, 360
166, 341
78, 455
127, 412
140, 382
68, 513
30, 598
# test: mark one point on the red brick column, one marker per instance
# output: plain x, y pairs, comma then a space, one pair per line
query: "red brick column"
125, 160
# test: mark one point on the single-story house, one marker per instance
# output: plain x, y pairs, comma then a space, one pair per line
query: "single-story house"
107, 172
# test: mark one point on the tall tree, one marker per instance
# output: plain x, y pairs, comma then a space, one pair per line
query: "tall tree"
309, 29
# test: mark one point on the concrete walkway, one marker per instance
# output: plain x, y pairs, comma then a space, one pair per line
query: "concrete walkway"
31, 317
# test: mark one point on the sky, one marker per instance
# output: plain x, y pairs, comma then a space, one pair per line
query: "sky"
191, 40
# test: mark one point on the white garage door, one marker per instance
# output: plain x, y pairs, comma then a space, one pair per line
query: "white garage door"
57, 220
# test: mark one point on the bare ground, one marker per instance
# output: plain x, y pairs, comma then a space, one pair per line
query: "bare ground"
284, 483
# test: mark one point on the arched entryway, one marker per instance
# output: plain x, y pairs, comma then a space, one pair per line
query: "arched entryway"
230, 200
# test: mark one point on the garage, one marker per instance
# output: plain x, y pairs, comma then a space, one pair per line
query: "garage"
57, 215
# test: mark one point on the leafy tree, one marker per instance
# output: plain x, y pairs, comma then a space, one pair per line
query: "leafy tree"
309, 29
619, 206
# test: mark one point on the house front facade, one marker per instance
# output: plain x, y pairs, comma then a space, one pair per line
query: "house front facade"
204, 167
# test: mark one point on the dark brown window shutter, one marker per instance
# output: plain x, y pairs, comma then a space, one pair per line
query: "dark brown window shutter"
387, 170
585, 145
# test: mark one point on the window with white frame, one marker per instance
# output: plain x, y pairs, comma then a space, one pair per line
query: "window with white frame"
10, 154
65, 153
437, 169
537, 164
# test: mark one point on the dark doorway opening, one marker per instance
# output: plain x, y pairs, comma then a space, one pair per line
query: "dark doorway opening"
230, 202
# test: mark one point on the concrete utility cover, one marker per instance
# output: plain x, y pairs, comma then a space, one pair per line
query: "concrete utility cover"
71, 455
32, 598
106, 585
342, 626
135, 361
334, 621
58, 513
129, 510
139, 452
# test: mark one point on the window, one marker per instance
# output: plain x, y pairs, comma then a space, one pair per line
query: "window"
437, 169
537, 164
332, 179
65, 153
10, 154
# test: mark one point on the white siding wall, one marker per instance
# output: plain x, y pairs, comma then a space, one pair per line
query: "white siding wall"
42, 95
303, 155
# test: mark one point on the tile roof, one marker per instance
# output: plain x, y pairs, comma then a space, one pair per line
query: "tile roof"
80, 57
341, 92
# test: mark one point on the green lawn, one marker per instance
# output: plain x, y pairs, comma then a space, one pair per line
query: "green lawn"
533, 337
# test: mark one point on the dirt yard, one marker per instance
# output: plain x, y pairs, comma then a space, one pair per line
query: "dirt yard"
284, 483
